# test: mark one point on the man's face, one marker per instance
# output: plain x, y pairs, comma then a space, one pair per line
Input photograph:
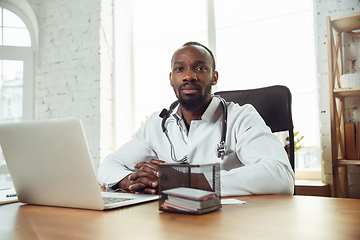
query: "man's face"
192, 76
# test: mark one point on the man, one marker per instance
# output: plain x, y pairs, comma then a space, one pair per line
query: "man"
255, 161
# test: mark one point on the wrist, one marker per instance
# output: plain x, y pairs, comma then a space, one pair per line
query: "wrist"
124, 183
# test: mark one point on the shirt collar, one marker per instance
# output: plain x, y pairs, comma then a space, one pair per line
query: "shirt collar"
210, 111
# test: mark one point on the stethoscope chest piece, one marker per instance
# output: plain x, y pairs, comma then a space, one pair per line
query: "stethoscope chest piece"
220, 150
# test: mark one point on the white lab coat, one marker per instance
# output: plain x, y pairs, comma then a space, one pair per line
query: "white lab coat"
255, 160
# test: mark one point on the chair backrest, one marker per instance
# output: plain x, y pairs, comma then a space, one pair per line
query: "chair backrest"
273, 104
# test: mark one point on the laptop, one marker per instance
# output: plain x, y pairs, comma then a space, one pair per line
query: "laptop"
50, 164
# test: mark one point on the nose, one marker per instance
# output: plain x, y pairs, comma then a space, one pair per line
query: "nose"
189, 76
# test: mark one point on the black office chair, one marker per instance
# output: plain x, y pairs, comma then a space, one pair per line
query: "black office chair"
273, 104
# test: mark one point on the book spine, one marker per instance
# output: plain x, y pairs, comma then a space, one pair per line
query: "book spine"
350, 141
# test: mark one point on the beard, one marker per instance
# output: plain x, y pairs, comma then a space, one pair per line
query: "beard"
191, 102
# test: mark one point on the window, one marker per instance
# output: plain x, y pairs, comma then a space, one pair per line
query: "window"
256, 44
272, 45
11, 90
16, 74
13, 30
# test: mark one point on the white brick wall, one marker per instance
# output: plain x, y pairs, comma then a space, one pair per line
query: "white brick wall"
106, 76
332, 8
73, 74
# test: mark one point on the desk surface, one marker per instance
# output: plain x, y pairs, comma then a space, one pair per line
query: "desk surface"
262, 217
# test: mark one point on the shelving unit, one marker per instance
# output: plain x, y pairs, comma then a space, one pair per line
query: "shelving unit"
335, 28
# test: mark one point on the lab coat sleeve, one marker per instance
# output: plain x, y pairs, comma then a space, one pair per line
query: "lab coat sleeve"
121, 163
266, 169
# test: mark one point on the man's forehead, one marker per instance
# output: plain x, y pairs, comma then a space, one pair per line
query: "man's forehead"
198, 52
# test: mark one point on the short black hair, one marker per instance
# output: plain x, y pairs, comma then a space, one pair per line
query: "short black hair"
192, 43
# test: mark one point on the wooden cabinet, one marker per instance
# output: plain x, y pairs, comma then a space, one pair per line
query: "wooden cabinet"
335, 28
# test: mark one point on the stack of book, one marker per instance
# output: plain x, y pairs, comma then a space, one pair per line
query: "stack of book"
190, 200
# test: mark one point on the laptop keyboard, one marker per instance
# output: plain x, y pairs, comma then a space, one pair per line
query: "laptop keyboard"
110, 200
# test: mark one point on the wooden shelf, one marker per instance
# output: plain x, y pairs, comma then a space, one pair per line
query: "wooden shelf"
346, 92
335, 28
346, 23
348, 162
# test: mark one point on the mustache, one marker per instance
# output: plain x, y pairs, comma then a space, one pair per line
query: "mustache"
194, 84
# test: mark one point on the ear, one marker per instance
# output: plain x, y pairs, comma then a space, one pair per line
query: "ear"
170, 79
215, 78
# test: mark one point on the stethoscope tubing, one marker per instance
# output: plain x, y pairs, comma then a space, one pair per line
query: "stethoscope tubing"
165, 114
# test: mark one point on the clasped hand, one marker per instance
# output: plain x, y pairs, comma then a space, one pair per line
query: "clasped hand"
144, 179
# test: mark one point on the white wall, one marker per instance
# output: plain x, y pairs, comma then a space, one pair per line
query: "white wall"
332, 8
73, 73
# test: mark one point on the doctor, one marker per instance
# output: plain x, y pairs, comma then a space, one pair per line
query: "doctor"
255, 161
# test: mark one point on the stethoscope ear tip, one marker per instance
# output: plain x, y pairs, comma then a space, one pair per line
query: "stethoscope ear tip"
163, 113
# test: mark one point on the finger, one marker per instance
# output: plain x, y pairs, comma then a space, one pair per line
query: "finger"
145, 181
149, 190
139, 164
151, 170
148, 169
156, 161
137, 187
141, 173
141, 187
149, 164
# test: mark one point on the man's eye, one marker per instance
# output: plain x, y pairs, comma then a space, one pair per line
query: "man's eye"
201, 68
178, 69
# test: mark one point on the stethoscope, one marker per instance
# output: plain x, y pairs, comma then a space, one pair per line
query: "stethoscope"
220, 147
